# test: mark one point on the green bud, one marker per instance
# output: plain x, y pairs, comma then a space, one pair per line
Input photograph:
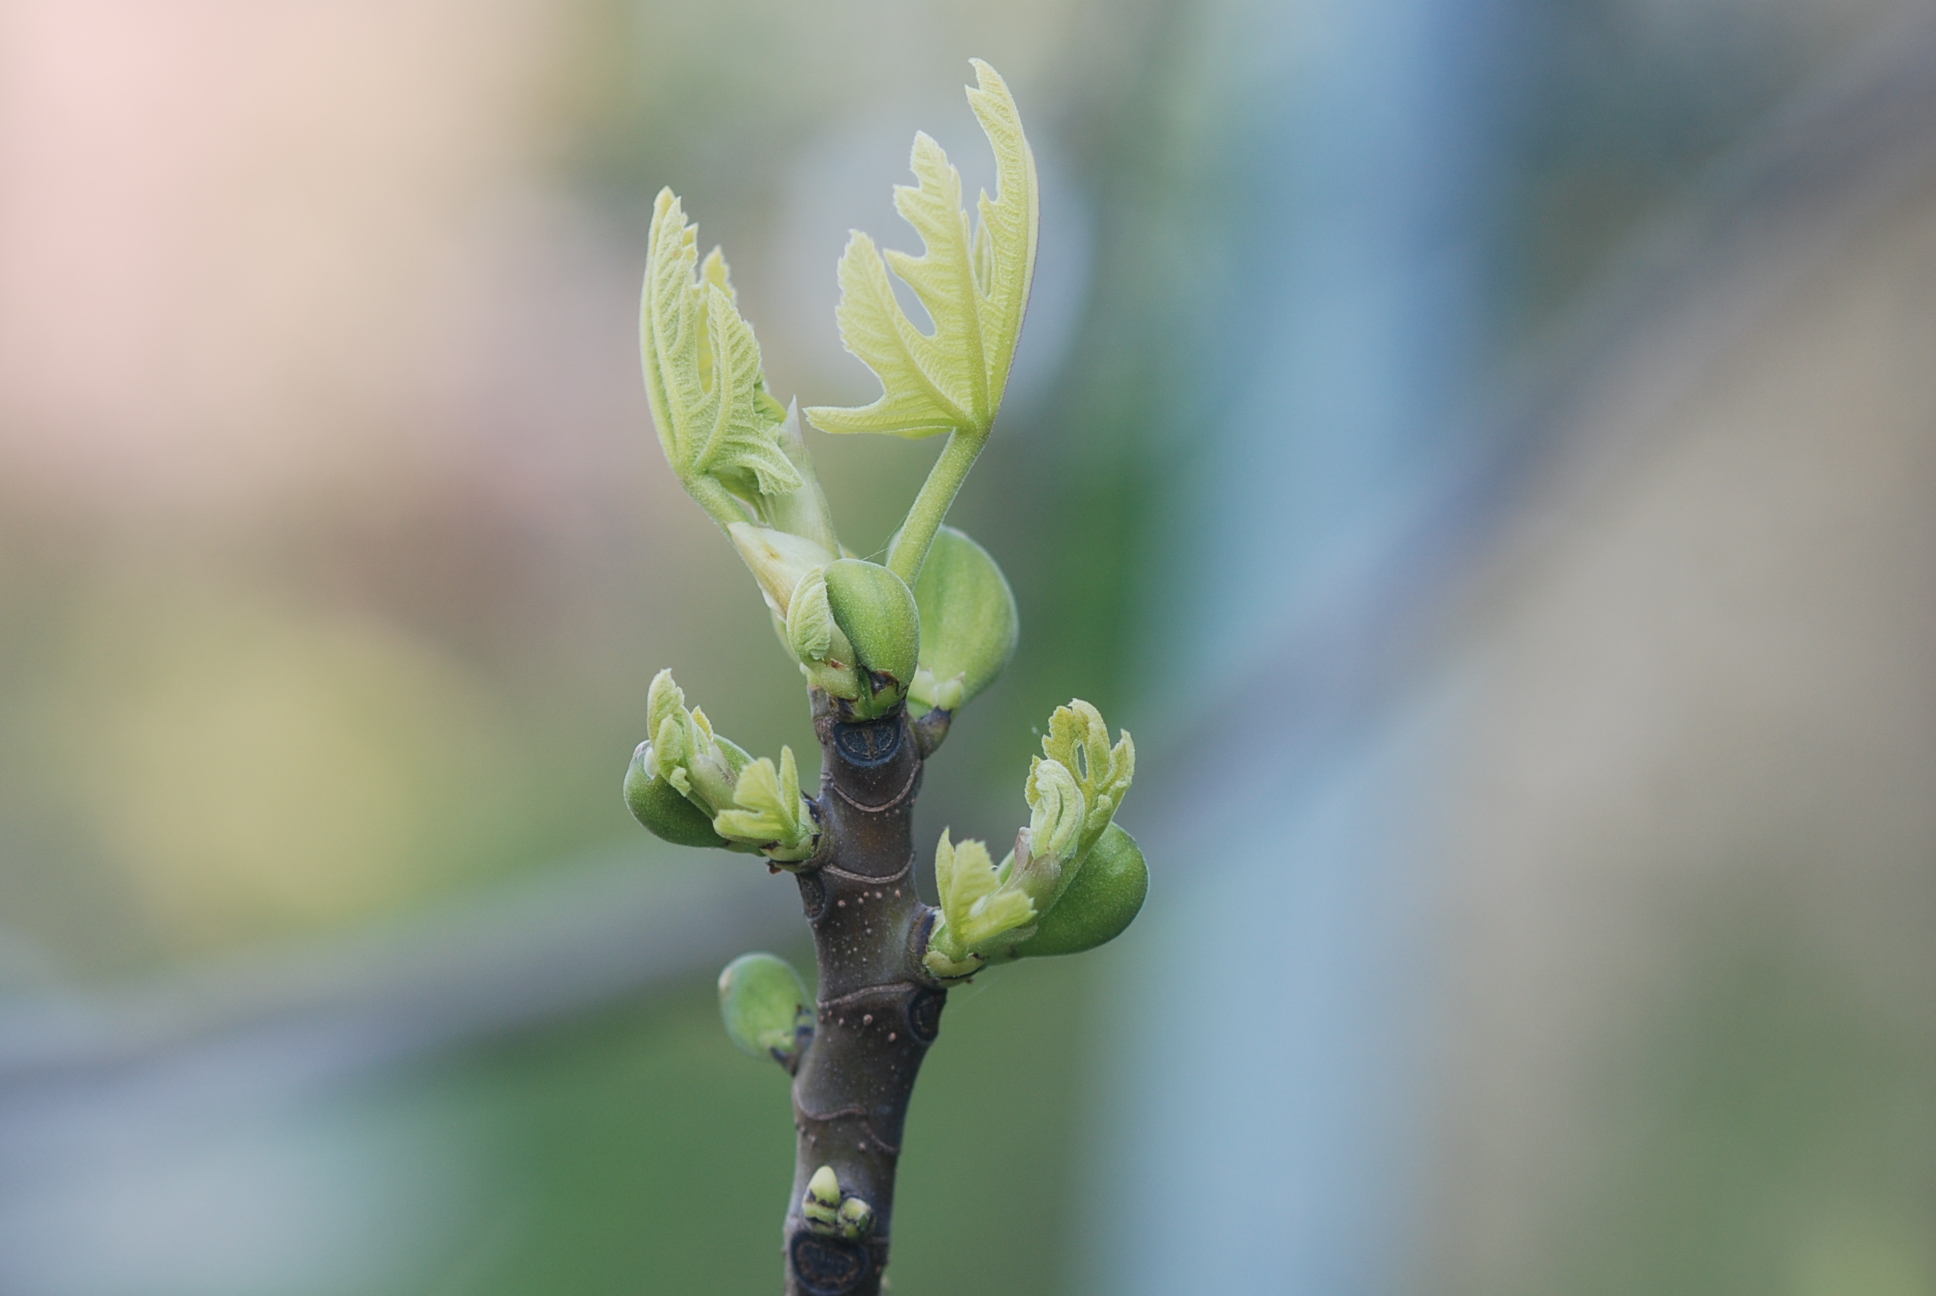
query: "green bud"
856, 1219
821, 1205
750, 804
777, 560
766, 1008
875, 610
709, 767
817, 641
803, 512
968, 622
1073, 874
1100, 901
659, 806
936, 695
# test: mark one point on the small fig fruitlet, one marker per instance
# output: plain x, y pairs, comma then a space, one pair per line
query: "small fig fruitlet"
765, 1007
659, 806
968, 619
1103, 899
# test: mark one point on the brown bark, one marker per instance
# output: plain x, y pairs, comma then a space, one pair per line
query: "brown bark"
878, 1009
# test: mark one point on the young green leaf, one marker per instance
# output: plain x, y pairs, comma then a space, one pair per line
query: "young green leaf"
718, 425
685, 751
974, 285
1078, 740
978, 908
769, 812
747, 804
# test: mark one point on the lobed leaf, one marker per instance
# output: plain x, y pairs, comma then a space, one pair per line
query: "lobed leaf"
702, 368
973, 283
979, 906
1078, 740
769, 812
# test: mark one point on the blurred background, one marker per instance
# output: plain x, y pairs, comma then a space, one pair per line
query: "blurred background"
1484, 450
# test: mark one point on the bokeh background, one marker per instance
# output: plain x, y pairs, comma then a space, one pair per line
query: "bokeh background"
1484, 449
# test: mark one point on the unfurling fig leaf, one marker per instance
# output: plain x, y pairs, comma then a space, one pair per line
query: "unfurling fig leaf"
979, 908
769, 812
875, 611
969, 623
1098, 903
766, 1008
685, 751
1079, 741
990, 914
974, 285
717, 423
747, 804
660, 807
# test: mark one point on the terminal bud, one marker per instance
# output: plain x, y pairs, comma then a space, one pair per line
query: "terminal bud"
874, 609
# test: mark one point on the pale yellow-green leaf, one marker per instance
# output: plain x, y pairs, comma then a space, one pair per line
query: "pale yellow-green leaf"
963, 874
1057, 811
769, 812
685, 752
995, 915
978, 906
777, 560
702, 368
1078, 740
972, 281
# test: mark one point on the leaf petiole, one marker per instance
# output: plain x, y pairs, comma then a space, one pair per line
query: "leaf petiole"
909, 548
